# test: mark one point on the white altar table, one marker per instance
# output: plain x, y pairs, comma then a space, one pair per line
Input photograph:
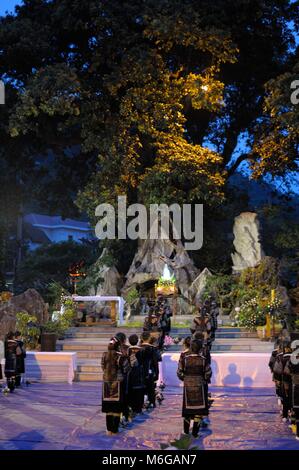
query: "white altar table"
229, 370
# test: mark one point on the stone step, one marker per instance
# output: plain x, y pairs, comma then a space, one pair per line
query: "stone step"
242, 348
238, 340
90, 368
104, 329
241, 334
90, 355
88, 377
100, 332
85, 347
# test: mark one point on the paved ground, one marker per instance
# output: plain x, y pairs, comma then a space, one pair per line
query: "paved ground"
61, 416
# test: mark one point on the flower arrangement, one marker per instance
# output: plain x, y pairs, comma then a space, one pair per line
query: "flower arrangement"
166, 286
273, 306
251, 314
170, 341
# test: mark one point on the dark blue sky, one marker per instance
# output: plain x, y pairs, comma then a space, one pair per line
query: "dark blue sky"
8, 5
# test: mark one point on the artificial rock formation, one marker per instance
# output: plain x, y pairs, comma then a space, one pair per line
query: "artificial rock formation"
29, 301
150, 259
198, 286
109, 279
248, 249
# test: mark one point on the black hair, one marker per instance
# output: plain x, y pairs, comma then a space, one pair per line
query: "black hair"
145, 336
198, 335
121, 337
18, 333
10, 335
133, 340
195, 346
187, 341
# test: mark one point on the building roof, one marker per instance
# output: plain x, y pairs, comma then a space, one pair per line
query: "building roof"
56, 221
35, 234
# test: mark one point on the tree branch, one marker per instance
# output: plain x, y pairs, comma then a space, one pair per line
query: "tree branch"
235, 165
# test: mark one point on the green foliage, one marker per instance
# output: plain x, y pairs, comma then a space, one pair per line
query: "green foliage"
221, 287
183, 443
138, 95
64, 321
277, 136
46, 268
132, 296
250, 291
263, 278
30, 331
55, 293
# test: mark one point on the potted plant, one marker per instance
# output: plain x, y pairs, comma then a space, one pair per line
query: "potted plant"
53, 330
29, 329
49, 334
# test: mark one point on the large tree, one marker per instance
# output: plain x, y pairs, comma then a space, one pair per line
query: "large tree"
142, 98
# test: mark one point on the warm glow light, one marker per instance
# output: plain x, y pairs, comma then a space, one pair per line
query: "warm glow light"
205, 87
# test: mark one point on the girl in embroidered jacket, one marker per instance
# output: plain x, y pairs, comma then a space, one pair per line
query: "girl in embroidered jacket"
196, 372
115, 367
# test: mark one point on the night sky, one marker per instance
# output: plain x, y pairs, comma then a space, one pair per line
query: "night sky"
8, 5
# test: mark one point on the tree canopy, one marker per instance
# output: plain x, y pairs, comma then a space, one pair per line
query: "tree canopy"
145, 98
154, 94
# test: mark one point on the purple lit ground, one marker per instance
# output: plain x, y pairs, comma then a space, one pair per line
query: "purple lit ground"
61, 416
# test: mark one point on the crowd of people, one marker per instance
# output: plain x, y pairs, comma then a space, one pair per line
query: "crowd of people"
131, 371
284, 365
14, 353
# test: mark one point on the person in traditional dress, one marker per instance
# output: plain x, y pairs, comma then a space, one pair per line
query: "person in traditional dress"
123, 342
205, 347
136, 376
1, 358
124, 348
186, 344
152, 324
201, 323
275, 378
115, 367
195, 372
165, 320
214, 312
286, 382
20, 369
151, 368
280, 377
11, 351
293, 366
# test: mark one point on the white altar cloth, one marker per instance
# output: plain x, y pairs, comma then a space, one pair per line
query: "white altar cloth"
51, 366
104, 298
229, 370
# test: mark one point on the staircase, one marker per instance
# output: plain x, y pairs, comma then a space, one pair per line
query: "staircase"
229, 339
91, 342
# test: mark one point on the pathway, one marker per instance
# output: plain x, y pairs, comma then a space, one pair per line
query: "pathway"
61, 416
